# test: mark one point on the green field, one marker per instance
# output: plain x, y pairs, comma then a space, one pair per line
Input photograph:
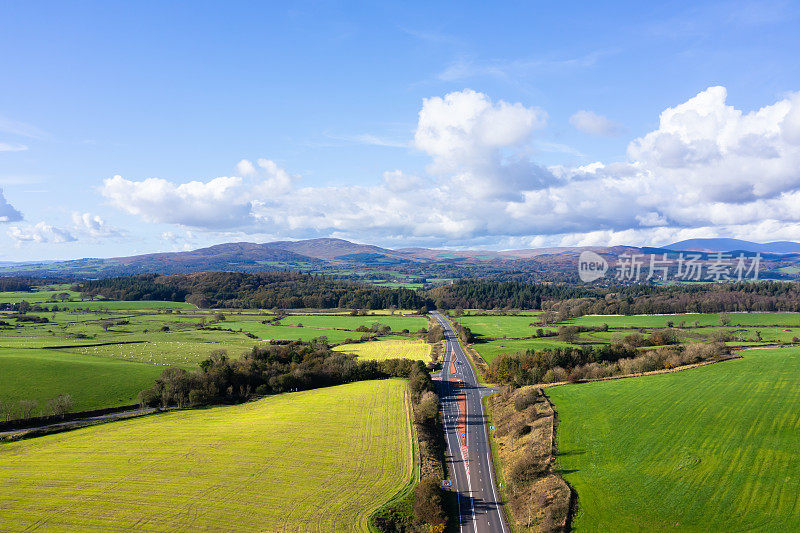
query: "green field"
489, 350
702, 319
500, 326
271, 331
93, 382
708, 449
397, 323
151, 334
320, 460
389, 349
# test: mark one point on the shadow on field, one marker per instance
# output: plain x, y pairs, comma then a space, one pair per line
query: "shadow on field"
571, 452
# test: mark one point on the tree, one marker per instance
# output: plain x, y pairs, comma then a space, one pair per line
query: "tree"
429, 502
435, 334
105, 324
568, 333
27, 407
61, 405
725, 319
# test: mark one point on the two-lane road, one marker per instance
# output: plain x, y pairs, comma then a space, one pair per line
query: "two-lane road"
470, 457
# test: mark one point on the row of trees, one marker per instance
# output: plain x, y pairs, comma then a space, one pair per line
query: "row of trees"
529, 367
561, 301
25, 409
270, 369
265, 290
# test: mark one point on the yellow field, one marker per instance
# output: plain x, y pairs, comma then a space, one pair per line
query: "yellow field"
320, 460
389, 349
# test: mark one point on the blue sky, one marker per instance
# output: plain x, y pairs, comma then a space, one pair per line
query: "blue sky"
463, 124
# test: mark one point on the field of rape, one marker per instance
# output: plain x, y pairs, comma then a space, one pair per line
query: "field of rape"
320, 460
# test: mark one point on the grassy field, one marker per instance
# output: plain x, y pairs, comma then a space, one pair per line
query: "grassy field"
397, 323
320, 460
389, 349
271, 331
705, 319
93, 382
489, 350
500, 326
151, 334
708, 449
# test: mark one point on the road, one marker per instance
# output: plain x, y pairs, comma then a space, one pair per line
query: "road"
81, 422
469, 454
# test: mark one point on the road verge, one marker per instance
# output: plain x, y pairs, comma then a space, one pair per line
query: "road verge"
524, 445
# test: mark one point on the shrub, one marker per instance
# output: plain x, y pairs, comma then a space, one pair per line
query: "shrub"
555, 375
528, 469
525, 399
429, 502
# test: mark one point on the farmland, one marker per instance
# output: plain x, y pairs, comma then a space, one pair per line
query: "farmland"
491, 349
280, 463
501, 326
397, 323
499, 334
690, 319
102, 353
389, 349
92, 382
712, 448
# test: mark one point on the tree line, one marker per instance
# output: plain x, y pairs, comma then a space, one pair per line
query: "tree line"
530, 367
568, 301
272, 369
263, 290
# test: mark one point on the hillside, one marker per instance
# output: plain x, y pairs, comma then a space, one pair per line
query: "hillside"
735, 245
409, 267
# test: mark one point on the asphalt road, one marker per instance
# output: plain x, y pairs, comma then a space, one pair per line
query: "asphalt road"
469, 454
81, 422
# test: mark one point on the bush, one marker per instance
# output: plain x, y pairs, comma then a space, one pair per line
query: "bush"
429, 502
525, 399
528, 469
555, 375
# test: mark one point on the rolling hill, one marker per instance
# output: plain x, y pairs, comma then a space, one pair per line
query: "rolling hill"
735, 245
338, 257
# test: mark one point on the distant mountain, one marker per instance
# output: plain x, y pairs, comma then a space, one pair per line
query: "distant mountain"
735, 245
418, 266
341, 250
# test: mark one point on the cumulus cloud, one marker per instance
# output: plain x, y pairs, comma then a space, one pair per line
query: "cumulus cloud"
707, 168
594, 124
473, 139
93, 225
216, 204
39, 233
220, 203
7, 211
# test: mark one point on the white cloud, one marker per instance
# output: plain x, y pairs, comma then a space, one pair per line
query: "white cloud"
7, 211
371, 139
273, 179
480, 143
707, 167
217, 204
398, 181
21, 129
39, 233
15, 147
710, 151
594, 124
93, 225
